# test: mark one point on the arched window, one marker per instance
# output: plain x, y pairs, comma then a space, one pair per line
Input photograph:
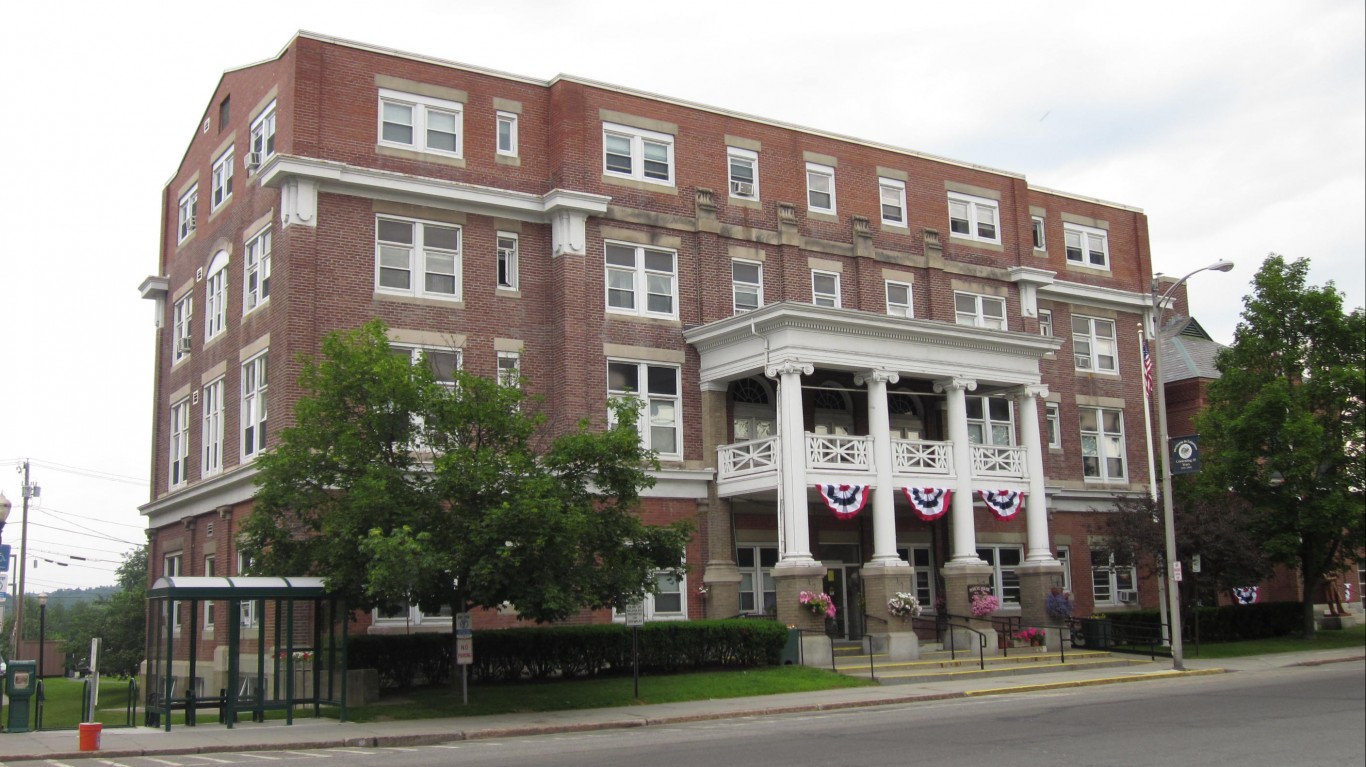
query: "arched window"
754, 416
834, 413
216, 295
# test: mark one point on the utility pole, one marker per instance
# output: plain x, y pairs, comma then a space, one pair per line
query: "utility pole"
30, 491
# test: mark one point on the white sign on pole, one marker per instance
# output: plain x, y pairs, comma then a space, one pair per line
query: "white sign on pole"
464, 651
1195, 563
464, 626
1176, 571
635, 614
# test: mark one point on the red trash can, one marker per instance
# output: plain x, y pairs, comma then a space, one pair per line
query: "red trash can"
90, 736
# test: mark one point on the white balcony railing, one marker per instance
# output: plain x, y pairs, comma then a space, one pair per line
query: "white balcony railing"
918, 456
837, 451
746, 458
998, 461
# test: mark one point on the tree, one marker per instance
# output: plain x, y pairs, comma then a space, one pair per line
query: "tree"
1285, 428
1214, 528
399, 490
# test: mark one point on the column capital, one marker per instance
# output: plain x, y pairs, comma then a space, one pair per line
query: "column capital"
1034, 391
878, 376
945, 384
789, 367
720, 386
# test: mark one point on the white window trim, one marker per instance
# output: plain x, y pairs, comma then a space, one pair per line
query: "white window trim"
262, 140
177, 470
254, 413
989, 423
256, 264
757, 573
737, 285
820, 170
896, 310
221, 179
216, 296
208, 606
172, 565
511, 258
974, 219
1091, 362
213, 419
898, 187
417, 260
998, 571
733, 184
835, 295
1102, 454
421, 105
1037, 227
1112, 571
509, 374
1065, 558
639, 281
1046, 323
979, 317
509, 119
182, 319
247, 616
1086, 233
188, 214
418, 353
637, 138
643, 423
410, 615
1053, 415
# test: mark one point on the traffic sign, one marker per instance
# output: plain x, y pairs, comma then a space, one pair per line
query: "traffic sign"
464, 651
635, 614
464, 626
1176, 571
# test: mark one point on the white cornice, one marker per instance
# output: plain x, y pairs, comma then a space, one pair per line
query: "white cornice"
228, 488
1093, 295
432, 192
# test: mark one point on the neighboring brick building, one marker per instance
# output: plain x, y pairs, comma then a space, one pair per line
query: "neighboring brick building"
913, 321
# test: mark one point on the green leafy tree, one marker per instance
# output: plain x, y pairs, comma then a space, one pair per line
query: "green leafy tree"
1285, 428
399, 490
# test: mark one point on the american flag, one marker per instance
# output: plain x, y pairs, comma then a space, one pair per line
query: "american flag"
1147, 368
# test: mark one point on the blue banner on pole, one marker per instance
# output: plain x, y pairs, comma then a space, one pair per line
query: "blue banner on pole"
1185, 454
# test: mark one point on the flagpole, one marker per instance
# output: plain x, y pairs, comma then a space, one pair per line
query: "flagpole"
1152, 465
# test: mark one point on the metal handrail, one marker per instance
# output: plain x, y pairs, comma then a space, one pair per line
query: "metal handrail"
869, 637
941, 620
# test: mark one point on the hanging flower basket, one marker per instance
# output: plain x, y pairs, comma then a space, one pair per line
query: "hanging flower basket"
983, 605
818, 603
904, 606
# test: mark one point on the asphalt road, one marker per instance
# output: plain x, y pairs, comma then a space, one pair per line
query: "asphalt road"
1298, 716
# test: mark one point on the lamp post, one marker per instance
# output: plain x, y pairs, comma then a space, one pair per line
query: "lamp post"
42, 631
5, 507
1168, 513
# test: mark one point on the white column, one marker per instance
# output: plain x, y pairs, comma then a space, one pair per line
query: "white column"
964, 543
884, 494
792, 511
1036, 502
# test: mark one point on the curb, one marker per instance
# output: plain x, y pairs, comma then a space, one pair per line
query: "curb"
1094, 682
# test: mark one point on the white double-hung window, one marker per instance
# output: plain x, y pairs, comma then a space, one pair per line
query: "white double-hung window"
991, 421
421, 123
1087, 246
974, 218
507, 261
212, 434
1102, 444
506, 126
638, 154
641, 280
820, 188
188, 217
1113, 580
180, 442
657, 386
256, 275
825, 288
254, 384
181, 316
1093, 344
262, 143
979, 311
222, 178
892, 194
743, 168
417, 258
746, 284
216, 296
899, 299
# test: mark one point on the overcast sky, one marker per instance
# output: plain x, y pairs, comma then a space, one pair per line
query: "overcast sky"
1238, 127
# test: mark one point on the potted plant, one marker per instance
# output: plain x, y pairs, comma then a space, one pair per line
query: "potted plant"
818, 603
904, 605
1034, 636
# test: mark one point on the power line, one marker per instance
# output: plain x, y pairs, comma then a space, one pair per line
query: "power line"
93, 519
90, 473
91, 534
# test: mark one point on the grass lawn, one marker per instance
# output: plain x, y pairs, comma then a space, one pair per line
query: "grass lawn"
1322, 640
430, 703
62, 702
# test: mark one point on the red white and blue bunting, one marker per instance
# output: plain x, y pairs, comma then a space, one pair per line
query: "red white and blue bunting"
1245, 595
929, 503
846, 501
1005, 504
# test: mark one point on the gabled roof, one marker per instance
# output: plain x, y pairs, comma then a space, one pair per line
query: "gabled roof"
1187, 351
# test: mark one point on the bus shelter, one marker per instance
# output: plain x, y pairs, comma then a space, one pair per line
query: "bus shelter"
243, 645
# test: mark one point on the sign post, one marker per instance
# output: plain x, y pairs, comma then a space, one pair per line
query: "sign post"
464, 652
635, 618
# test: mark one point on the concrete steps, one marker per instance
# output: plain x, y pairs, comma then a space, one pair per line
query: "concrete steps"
938, 665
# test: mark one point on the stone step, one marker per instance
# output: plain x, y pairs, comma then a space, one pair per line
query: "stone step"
946, 660
909, 676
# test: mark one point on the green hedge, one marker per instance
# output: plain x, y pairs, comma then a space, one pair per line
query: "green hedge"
1228, 623
553, 652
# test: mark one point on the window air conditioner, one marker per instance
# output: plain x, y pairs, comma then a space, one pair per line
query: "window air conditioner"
742, 188
182, 345
253, 160
1126, 596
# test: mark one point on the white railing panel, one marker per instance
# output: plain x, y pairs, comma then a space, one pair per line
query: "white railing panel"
918, 456
745, 458
998, 461
836, 451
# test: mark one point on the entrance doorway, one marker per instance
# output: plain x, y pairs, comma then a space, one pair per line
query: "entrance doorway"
844, 585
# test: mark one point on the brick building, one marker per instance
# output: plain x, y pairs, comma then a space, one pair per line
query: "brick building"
797, 309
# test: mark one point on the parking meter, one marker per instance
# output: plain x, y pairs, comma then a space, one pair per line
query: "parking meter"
21, 682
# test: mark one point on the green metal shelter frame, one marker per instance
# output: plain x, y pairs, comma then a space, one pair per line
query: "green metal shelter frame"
298, 606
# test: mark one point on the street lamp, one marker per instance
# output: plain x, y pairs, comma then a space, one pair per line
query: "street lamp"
42, 632
1168, 514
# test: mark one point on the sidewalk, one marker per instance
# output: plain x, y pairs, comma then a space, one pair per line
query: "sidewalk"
315, 733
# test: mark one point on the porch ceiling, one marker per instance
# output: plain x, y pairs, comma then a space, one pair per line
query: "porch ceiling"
845, 339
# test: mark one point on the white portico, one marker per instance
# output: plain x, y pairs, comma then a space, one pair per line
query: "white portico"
904, 368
